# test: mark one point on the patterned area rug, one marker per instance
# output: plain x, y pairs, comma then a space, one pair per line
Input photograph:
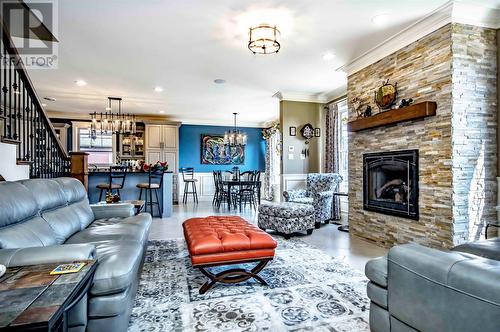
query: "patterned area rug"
308, 291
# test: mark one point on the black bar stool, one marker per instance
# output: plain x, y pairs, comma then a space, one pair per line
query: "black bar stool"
155, 181
117, 175
188, 177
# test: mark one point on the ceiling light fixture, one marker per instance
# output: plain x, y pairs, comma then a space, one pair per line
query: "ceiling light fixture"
158, 89
117, 122
264, 39
161, 112
327, 56
381, 19
219, 81
80, 82
235, 137
50, 98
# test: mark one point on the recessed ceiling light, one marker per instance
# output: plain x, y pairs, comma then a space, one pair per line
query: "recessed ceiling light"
219, 81
43, 105
108, 109
158, 89
80, 82
49, 98
381, 19
161, 112
327, 56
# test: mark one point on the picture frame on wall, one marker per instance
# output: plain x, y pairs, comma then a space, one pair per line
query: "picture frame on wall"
293, 131
317, 132
214, 152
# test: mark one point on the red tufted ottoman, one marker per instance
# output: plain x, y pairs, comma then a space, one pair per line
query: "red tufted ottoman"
225, 240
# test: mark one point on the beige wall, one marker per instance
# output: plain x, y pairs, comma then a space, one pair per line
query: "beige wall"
297, 114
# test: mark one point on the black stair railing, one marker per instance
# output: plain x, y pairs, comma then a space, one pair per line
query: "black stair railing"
25, 122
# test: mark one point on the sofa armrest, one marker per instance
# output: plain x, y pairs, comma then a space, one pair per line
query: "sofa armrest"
376, 271
46, 255
117, 210
442, 286
290, 195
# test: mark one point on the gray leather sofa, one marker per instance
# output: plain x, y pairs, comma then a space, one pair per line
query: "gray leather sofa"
45, 221
415, 288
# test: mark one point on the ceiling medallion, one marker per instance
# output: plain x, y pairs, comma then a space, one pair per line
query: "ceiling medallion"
263, 39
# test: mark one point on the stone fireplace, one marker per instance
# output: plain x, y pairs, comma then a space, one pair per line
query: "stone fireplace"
390, 183
457, 154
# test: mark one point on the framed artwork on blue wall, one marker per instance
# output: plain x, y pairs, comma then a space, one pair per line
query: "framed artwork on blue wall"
213, 151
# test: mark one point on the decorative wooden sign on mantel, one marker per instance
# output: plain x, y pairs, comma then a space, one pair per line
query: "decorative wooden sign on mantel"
412, 112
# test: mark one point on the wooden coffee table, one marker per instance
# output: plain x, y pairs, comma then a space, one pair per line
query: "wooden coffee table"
32, 299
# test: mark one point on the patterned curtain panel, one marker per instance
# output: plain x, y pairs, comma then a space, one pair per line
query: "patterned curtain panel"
331, 153
273, 152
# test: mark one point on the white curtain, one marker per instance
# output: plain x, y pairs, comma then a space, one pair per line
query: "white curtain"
273, 152
332, 150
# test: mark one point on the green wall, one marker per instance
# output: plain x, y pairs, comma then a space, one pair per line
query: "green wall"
297, 114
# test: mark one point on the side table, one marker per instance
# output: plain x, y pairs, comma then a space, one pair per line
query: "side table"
488, 225
31, 299
342, 228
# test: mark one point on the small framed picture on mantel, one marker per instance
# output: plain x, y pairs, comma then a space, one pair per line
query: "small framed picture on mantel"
293, 131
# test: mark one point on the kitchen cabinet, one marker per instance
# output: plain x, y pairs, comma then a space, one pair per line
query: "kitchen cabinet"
162, 145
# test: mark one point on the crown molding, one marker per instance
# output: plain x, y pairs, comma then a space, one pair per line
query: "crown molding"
453, 11
301, 97
244, 124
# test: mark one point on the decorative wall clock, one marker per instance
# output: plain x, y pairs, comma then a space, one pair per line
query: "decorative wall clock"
307, 132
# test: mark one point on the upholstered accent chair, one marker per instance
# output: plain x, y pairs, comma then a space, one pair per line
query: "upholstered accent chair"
319, 193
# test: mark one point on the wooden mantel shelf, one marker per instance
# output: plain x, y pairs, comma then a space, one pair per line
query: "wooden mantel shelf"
412, 112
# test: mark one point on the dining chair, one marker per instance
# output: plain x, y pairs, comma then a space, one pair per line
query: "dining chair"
216, 186
223, 193
116, 180
246, 192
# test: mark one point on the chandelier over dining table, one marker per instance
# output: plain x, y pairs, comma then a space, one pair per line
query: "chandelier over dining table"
235, 137
112, 121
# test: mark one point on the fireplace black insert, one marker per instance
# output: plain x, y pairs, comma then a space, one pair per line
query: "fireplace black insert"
390, 183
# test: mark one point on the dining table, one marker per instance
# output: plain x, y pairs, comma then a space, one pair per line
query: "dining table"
238, 183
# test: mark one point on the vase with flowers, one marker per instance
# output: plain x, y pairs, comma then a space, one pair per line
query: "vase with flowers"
159, 166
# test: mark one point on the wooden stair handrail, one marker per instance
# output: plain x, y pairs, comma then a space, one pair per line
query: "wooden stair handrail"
23, 73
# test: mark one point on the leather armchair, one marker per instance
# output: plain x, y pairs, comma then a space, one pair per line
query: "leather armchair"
319, 193
416, 288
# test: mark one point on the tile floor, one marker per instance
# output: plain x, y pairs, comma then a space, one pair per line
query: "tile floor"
351, 249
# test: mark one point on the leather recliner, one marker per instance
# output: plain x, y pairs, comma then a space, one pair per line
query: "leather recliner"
415, 288
50, 220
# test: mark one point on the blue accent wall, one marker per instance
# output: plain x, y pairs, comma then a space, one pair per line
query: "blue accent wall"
190, 150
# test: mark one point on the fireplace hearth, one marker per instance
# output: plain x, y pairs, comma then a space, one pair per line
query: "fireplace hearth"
390, 183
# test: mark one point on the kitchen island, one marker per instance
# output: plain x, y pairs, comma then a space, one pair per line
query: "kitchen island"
130, 190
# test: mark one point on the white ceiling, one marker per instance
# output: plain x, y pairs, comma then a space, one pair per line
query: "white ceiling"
127, 47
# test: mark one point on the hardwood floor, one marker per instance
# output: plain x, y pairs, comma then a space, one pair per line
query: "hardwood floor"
352, 250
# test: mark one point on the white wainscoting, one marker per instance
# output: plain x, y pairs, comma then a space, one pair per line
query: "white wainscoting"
205, 186
293, 181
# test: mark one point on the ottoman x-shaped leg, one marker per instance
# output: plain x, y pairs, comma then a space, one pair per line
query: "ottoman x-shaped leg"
232, 276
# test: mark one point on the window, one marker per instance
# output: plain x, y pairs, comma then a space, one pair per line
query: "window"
342, 144
100, 149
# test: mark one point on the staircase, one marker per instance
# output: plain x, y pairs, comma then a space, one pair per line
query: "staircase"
23, 121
